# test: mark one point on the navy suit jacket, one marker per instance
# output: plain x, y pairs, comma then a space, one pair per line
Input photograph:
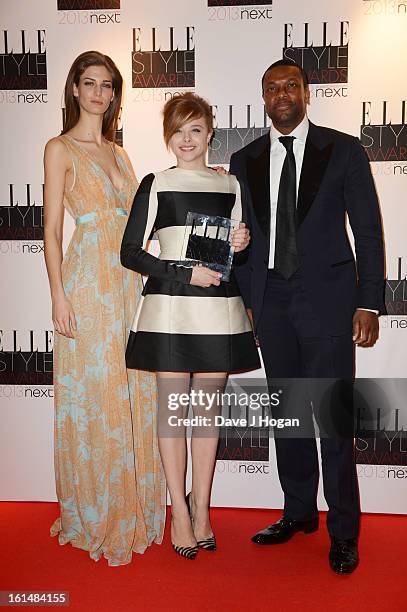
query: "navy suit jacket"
335, 182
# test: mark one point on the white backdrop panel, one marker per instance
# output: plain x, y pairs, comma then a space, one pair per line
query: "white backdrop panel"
233, 46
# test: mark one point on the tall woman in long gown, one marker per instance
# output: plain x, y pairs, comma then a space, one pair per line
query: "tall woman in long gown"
109, 477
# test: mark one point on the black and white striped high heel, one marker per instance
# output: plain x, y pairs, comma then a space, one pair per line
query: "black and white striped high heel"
188, 552
207, 543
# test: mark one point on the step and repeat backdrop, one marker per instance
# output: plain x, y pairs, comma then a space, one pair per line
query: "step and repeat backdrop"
355, 55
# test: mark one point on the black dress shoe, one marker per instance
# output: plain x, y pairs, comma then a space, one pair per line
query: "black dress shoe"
343, 556
283, 530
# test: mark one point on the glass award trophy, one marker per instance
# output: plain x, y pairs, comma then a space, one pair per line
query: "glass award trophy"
207, 242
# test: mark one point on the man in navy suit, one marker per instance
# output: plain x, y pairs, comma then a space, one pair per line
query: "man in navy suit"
311, 301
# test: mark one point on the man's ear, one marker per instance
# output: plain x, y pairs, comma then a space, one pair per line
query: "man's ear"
307, 94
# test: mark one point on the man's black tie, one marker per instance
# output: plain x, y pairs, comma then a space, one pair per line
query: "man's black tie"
285, 254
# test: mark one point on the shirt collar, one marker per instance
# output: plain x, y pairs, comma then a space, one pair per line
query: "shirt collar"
300, 132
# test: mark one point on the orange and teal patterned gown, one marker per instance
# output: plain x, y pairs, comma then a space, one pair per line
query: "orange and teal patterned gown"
109, 477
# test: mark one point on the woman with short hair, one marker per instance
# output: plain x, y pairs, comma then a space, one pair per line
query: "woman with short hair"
191, 327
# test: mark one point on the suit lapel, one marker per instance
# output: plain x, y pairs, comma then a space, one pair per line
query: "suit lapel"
315, 162
258, 175
317, 154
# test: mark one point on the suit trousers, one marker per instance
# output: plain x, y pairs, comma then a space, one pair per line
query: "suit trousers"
295, 347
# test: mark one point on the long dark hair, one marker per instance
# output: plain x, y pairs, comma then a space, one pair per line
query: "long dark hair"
111, 116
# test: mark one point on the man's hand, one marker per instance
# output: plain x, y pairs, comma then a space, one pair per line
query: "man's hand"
365, 328
220, 169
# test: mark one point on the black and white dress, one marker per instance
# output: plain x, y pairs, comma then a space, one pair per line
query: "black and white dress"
179, 327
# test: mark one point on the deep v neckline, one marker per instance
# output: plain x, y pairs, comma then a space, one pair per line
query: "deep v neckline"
91, 157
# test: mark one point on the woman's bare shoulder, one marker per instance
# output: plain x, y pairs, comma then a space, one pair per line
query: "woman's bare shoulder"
56, 149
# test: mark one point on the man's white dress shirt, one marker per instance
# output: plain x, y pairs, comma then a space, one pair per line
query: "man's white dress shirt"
277, 157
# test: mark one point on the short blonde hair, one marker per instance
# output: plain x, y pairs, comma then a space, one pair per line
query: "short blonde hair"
181, 109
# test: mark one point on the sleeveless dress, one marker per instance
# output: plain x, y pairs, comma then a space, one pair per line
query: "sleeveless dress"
109, 478
179, 327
